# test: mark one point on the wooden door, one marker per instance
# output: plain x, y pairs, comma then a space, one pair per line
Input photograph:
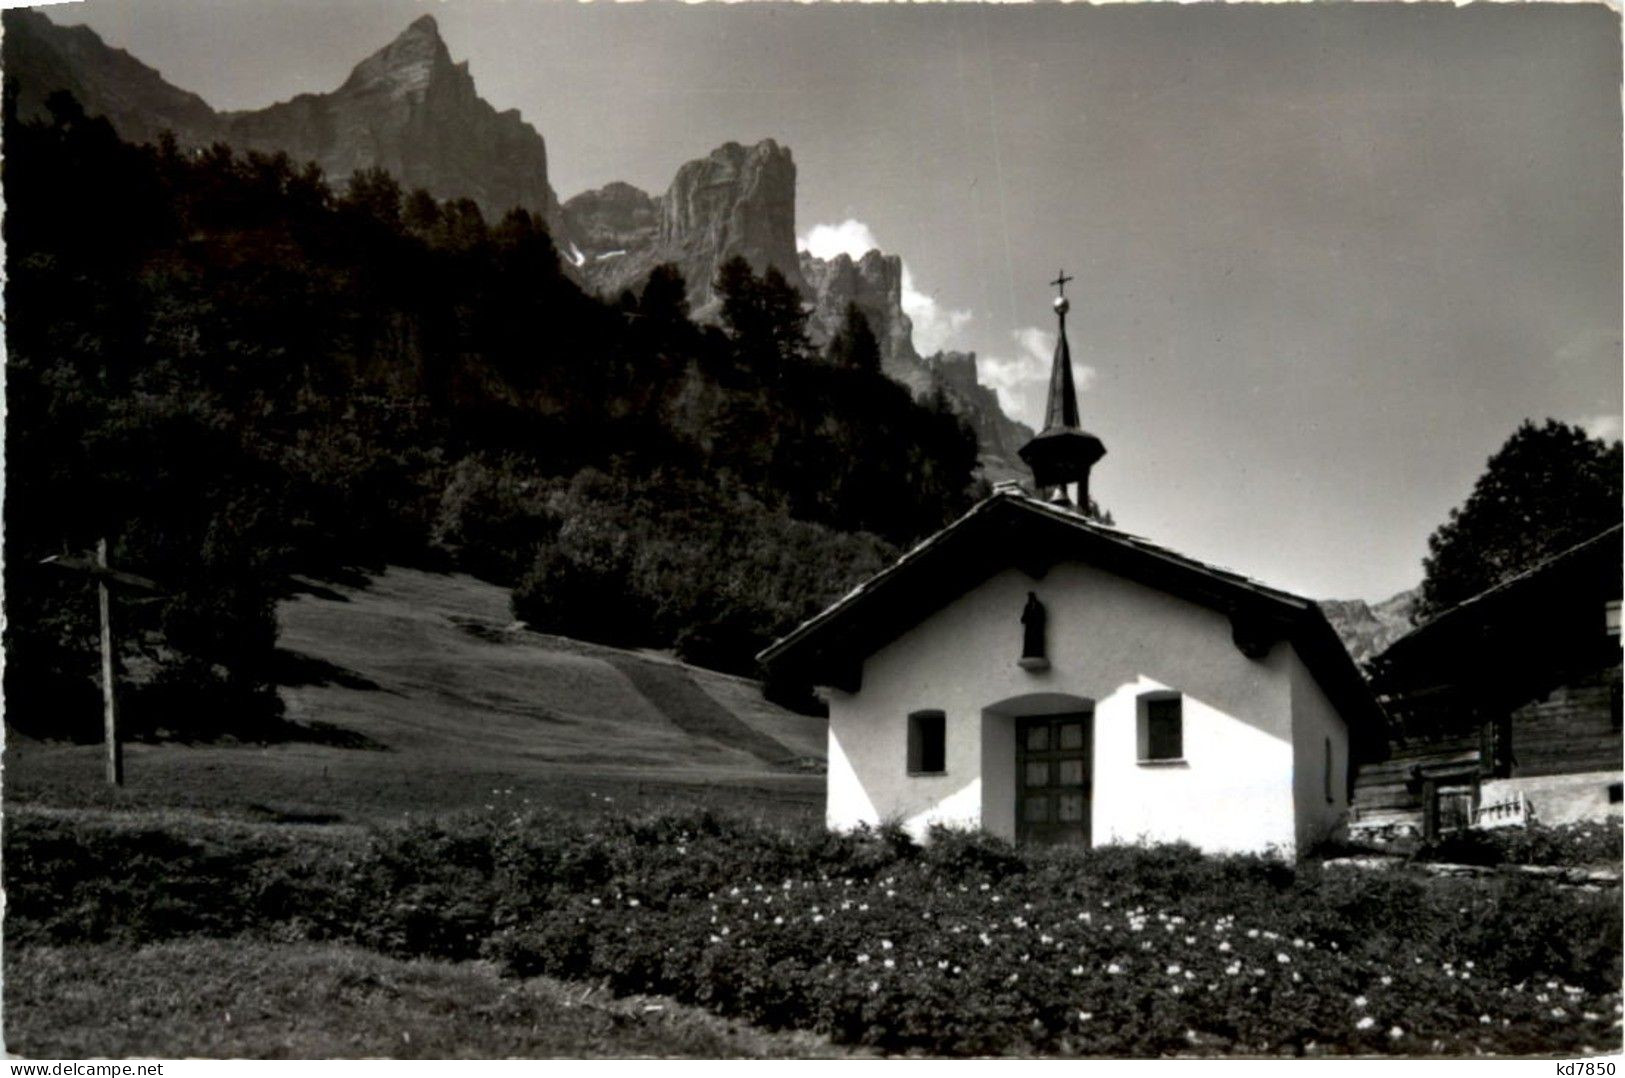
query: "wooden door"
1055, 778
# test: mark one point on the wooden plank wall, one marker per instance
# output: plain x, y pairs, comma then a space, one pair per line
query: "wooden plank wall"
1385, 788
1572, 730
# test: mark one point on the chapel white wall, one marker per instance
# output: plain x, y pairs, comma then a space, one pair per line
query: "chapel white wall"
1315, 721
1110, 640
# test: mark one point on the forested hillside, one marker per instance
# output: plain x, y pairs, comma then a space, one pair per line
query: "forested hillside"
236, 374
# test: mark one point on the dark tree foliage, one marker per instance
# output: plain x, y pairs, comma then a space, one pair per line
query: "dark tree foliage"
765, 317
236, 377
1548, 488
854, 345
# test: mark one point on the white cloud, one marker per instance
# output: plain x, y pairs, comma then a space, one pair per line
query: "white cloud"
1021, 379
935, 326
850, 237
1606, 427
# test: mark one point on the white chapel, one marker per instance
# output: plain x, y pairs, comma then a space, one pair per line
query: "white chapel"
1051, 679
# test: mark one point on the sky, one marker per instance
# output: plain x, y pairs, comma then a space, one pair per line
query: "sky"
1327, 257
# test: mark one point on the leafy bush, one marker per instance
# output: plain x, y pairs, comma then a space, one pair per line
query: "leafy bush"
1587, 842
654, 561
965, 946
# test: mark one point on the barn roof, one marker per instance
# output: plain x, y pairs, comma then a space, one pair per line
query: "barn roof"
1590, 567
1013, 529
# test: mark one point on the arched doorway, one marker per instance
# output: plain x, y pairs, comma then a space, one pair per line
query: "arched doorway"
1048, 739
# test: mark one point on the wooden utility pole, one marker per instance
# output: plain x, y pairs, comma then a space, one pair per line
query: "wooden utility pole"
115, 747
105, 577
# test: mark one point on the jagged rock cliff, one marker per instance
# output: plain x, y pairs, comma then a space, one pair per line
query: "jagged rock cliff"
407, 108
737, 200
741, 201
41, 57
875, 283
1368, 628
999, 436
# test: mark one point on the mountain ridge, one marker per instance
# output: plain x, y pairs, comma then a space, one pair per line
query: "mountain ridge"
411, 110
1367, 628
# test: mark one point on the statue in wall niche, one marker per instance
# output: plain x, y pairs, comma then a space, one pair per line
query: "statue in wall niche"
1033, 618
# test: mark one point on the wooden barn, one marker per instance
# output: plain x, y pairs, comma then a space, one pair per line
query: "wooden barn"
1505, 707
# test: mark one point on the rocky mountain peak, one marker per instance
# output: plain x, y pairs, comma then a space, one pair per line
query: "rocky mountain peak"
41, 57
407, 66
875, 283
737, 200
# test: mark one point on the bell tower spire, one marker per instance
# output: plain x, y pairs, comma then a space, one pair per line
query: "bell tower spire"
1061, 454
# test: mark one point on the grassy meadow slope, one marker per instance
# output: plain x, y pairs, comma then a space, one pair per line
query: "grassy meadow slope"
426, 697
249, 999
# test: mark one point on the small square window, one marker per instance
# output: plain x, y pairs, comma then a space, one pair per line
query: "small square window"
1616, 793
927, 743
1162, 728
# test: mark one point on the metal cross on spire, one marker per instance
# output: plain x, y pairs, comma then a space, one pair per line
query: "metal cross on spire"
1060, 282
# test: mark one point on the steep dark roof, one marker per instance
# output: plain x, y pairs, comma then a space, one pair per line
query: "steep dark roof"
1011, 528
1592, 565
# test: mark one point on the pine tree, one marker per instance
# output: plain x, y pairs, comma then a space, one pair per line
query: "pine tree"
854, 345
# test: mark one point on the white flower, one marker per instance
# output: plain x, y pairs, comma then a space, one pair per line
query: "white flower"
1559, 1012
1484, 1019
885, 945
1252, 933
596, 902
1077, 971
1224, 946
1396, 1033
1387, 979
1173, 970
1283, 958
1114, 969
890, 964
1359, 1001
1084, 1016
1365, 1023
632, 902
1233, 968
862, 958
